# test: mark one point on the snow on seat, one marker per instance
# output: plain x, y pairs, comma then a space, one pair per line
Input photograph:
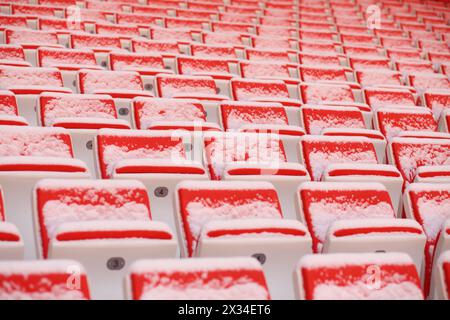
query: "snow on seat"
222, 70
433, 174
168, 49
184, 36
408, 66
437, 100
11, 244
9, 111
197, 279
171, 114
262, 91
268, 55
213, 51
322, 203
68, 61
408, 153
386, 97
361, 50
271, 70
381, 78
82, 115
148, 64
344, 276
222, 38
396, 54
12, 55
441, 277
43, 280
318, 59
428, 204
94, 221
318, 152
358, 62
317, 118
332, 74
28, 154
196, 24
316, 46
225, 218
124, 31
157, 158
26, 83
283, 43
391, 121
425, 81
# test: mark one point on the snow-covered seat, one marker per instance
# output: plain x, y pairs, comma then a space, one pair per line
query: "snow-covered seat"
426, 81
385, 97
28, 154
82, 115
197, 279
381, 78
122, 86
224, 218
184, 36
391, 121
325, 73
375, 137
322, 203
12, 55
254, 156
222, 70
408, 66
253, 54
441, 279
167, 48
260, 117
272, 70
408, 153
11, 244
349, 276
146, 64
157, 158
437, 100
100, 44
124, 31
62, 27
213, 51
203, 88
9, 111
43, 280
27, 83
428, 204
104, 224
316, 118
359, 62
319, 59
33, 10
7, 20
318, 152
257, 90
68, 61
328, 93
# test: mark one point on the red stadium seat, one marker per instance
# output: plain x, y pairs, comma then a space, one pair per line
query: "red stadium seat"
11, 244
112, 218
344, 277
442, 277
200, 278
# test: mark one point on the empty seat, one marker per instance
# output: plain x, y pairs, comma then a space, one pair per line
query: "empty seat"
157, 158
213, 51
425, 81
220, 218
410, 153
384, 97
100, 44
271, 70
267, 55
95, 222
167, 114
262, 91
325, 93
333, 74
322, 203
31, 39
442, 277
197, 279
358, 62
349, 276
43, 280
428, 204
9, 110
28, 154
82, 115
380, 78
318, 152
315, 119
